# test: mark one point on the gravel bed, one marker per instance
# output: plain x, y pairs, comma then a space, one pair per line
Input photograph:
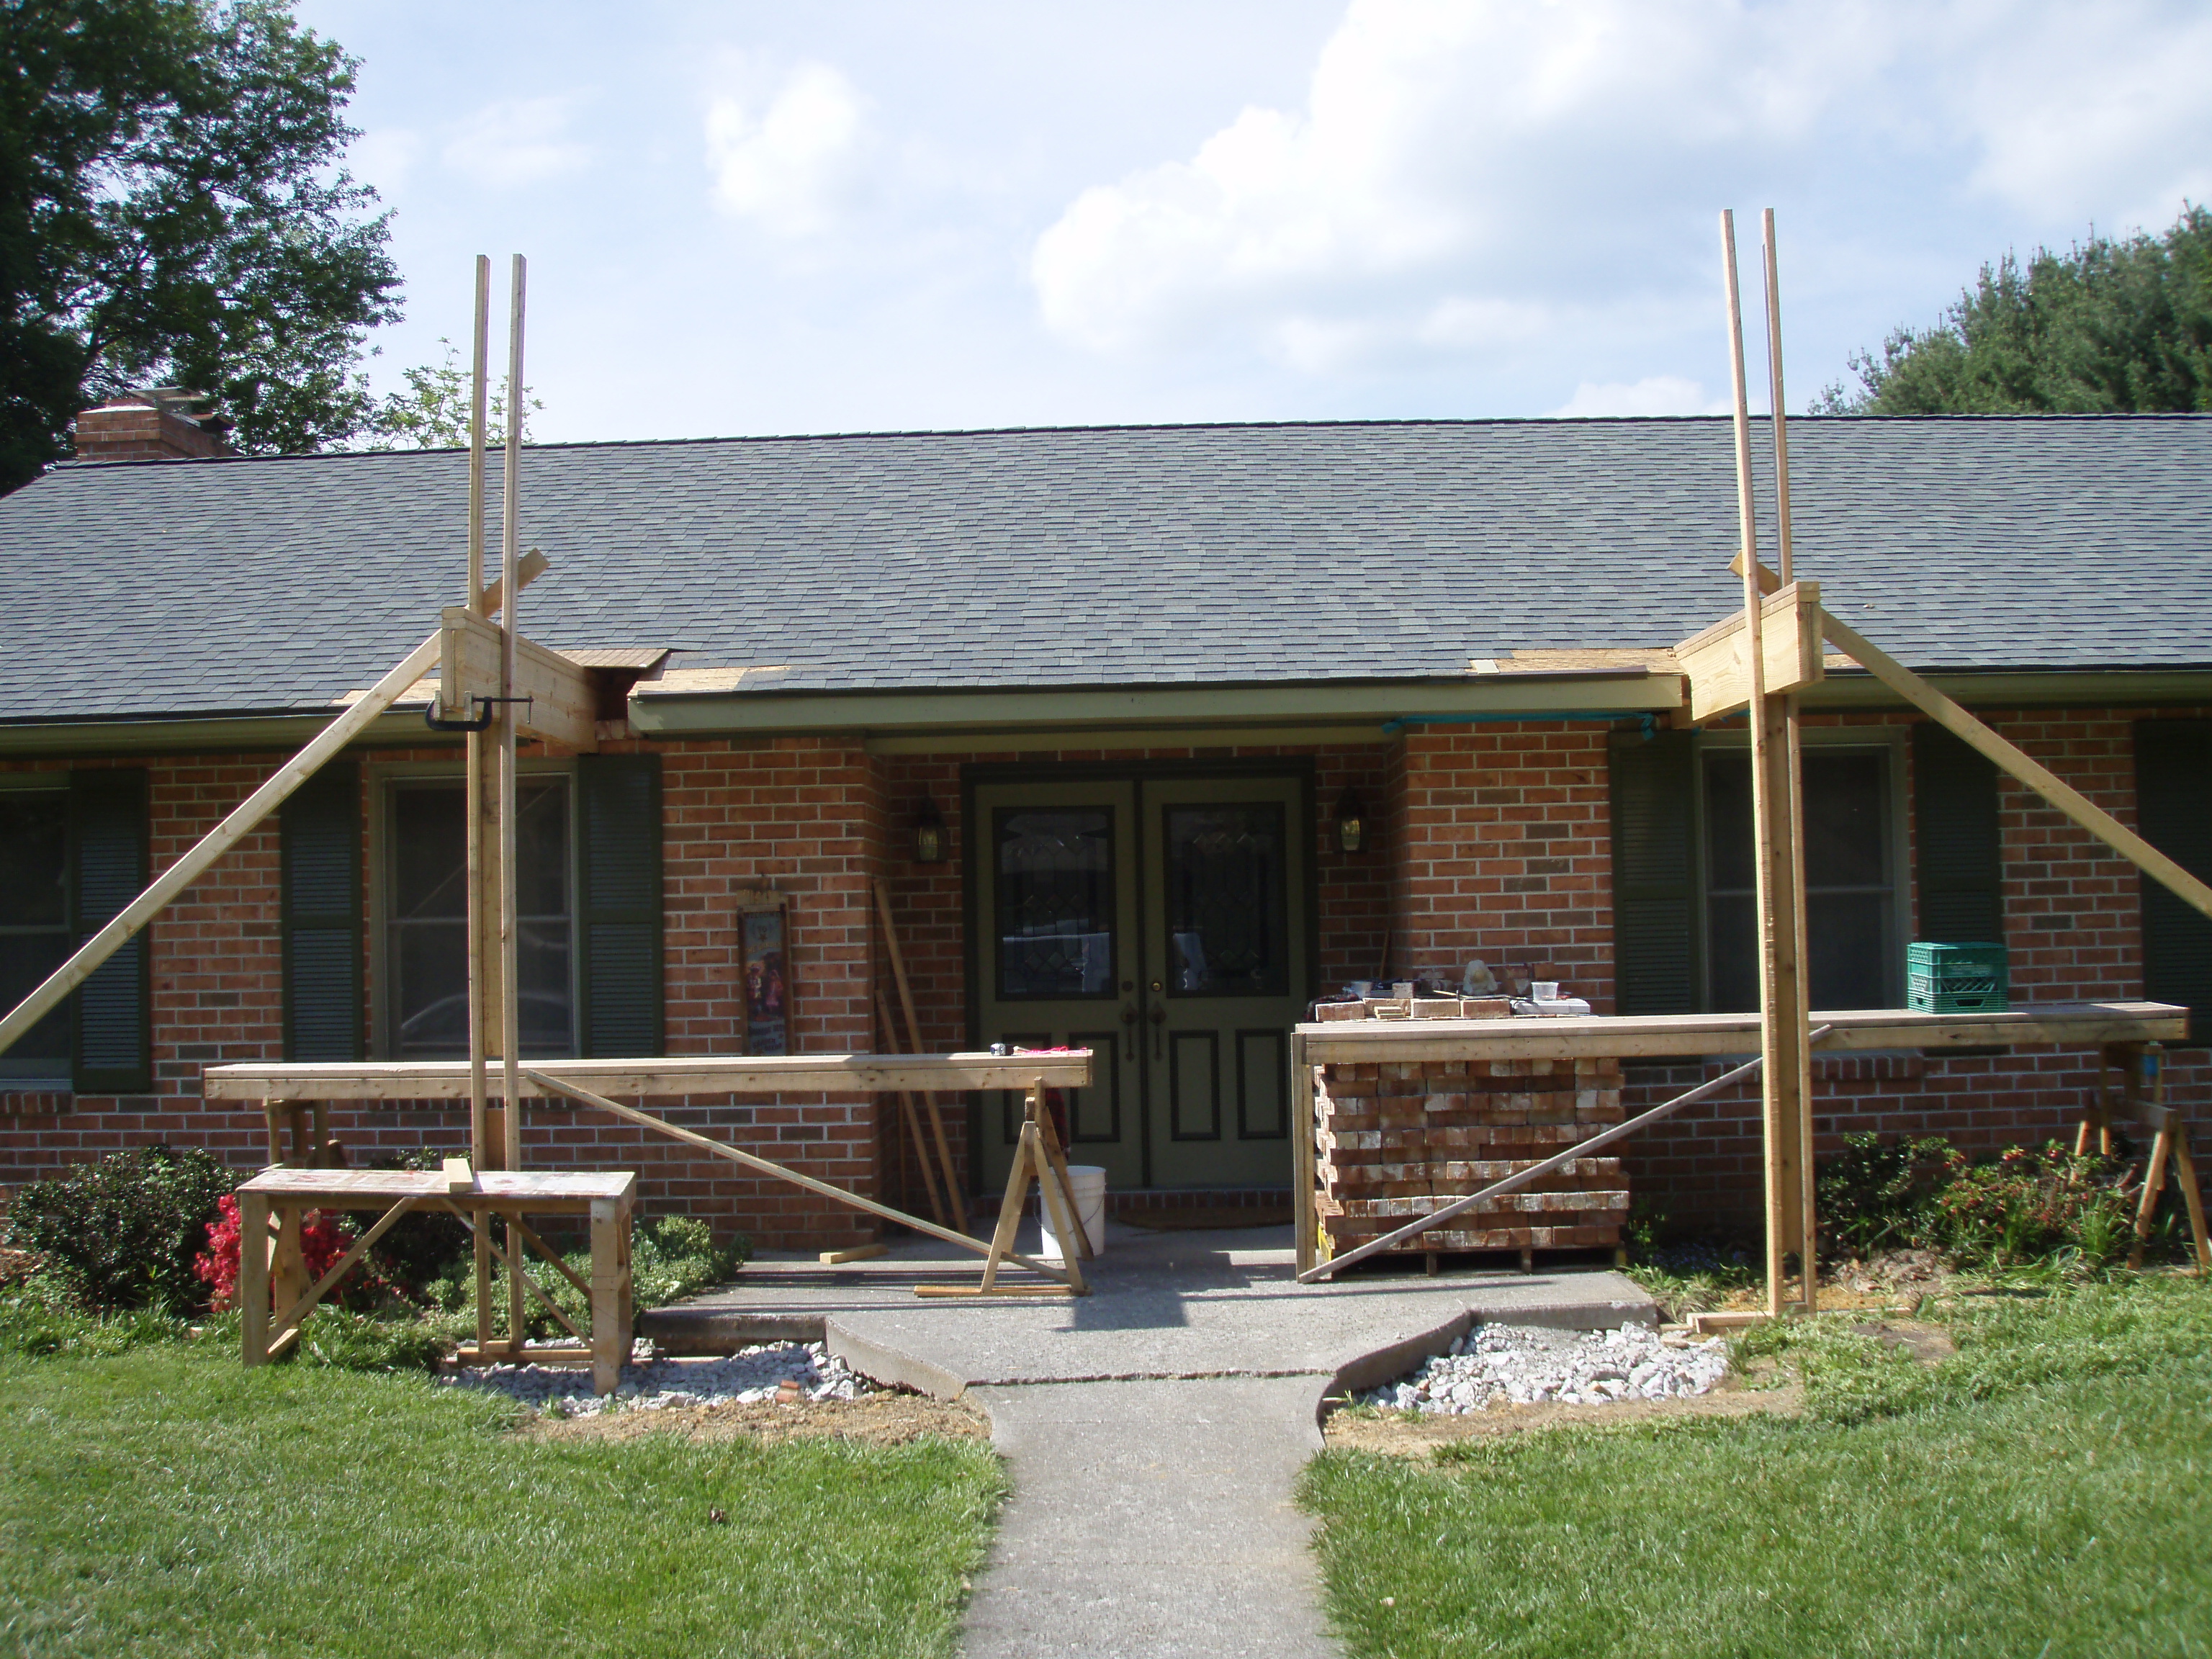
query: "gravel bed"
1527, 1363
789, 1370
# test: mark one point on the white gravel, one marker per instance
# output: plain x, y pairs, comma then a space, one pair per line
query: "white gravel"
1525, 1364
649, 1384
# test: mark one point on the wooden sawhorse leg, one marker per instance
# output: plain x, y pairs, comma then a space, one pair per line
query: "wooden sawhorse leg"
611, 1317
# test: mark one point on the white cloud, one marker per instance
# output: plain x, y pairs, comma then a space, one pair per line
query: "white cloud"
789, 159
518, 142
1476, 177
1656, 394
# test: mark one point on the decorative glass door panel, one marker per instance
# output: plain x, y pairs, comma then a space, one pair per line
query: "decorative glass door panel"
1160, 922
1055, 916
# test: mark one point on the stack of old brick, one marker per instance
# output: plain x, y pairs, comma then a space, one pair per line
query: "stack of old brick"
1397, 1139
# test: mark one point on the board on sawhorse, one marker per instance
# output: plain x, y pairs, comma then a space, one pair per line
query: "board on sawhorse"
1038, 1157
276, 1198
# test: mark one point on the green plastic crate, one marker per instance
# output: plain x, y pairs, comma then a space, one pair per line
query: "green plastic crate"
1956, 979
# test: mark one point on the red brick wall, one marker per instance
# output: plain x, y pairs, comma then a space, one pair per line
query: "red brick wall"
1487, 841
1499, 852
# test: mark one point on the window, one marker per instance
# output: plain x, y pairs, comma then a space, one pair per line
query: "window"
34, 923
1850, 891
426, 919
1226, 921
73, 853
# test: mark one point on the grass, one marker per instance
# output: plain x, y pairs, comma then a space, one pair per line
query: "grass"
160, 1499
2044, 1492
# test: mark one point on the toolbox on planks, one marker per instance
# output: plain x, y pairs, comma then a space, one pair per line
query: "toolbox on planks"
1956, 979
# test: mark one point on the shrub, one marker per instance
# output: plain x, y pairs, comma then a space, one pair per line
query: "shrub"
323, 1240
124, 1232
1874, 1197
426, 1245
2029, 1204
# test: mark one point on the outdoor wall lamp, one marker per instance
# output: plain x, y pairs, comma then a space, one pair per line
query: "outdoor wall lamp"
1351, 822
928, 832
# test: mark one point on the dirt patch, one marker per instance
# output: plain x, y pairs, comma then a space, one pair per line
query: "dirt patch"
875, 1420
16, 1266
1926, 1343
1400, 1434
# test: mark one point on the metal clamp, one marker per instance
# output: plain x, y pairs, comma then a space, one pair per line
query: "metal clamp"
481, 721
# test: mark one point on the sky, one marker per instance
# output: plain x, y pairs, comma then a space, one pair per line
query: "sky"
870, 216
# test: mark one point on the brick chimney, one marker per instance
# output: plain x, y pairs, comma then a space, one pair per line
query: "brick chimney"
154, 425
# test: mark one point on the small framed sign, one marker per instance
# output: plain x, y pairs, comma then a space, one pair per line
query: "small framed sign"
764, 962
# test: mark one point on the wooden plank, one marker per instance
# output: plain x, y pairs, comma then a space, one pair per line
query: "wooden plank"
253, 1275
1718, 660
856, 1253
459, 1178
494, 1188
675, 1074
241, 821
563, 704
1306, 1217
2065, 1024
948, 1169
2069, 800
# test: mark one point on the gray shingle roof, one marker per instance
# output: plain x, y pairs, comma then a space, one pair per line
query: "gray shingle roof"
1163, 555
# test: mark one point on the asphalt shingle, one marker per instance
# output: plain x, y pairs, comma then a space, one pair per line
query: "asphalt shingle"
1110, 556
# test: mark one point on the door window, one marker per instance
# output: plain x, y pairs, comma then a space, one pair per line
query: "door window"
1055, 903
1226, 900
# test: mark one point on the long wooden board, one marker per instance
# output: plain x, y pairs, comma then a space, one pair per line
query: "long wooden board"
2067, 1025
562, 706
675, 1074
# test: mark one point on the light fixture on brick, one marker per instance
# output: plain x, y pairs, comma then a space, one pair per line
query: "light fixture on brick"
928, 832
1351, 822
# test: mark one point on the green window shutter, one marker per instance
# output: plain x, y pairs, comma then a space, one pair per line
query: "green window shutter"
2174, 812
1956, 854
1654, 921
112, 1024
321, 833
619, 907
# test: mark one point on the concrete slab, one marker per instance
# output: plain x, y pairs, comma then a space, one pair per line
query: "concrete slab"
1154, 1430
1151, 1518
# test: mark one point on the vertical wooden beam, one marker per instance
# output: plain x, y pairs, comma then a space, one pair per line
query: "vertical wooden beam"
482, 963
611, 1292
1790, 782
1770, 773
253, 1275
510, 551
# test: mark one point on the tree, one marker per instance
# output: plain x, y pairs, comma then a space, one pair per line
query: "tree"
2111, 327
173, 209
433, 411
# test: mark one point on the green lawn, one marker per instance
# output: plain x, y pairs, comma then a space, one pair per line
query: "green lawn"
166, 1501
2047, 1492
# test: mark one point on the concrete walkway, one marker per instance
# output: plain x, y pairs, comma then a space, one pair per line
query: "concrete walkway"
1154, 1430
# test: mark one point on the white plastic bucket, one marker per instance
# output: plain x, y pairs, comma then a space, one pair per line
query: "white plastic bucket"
1089, 1181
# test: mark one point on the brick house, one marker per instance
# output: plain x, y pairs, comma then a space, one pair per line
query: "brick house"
1132, 688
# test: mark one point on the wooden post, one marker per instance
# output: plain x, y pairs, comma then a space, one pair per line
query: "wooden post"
1789, 783
1305, 1216
480, 874
1782, 1033
510, 1031
2149, 1068
611, 1292
253, 1275
948, 1173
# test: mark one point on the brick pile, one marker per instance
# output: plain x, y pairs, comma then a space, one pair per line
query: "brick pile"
1396, 1137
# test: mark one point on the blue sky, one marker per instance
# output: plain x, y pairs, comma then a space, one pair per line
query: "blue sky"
744, 218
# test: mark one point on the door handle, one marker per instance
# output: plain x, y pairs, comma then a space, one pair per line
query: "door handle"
1160, 1030
1129, 1031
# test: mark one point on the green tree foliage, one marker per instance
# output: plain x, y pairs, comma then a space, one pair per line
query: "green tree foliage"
2113, 326
173, 210
434, 413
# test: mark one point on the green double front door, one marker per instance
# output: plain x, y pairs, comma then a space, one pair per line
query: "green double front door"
1161, 922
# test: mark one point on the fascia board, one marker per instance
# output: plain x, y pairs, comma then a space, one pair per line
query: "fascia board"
1140, 707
